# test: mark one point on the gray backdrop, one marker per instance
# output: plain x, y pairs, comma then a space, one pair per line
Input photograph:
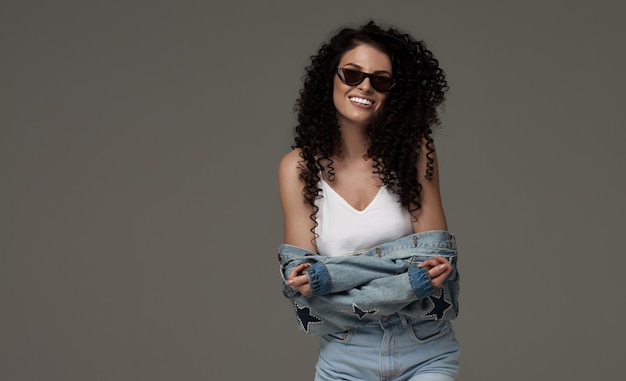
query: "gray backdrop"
139, 215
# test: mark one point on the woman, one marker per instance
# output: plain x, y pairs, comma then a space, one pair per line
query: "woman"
367, 258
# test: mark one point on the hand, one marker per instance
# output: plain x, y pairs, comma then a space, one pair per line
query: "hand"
438, 270
298, 280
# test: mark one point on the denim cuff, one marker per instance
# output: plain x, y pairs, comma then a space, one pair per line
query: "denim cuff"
319, 279
420, 282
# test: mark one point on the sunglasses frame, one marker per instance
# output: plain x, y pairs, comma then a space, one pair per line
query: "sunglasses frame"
363, 75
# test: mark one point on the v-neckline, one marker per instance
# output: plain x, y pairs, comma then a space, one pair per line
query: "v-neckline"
348, 205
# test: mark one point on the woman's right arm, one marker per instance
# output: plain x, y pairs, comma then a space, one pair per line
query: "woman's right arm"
297, 223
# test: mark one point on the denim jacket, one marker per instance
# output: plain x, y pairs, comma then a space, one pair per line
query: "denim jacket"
348, 291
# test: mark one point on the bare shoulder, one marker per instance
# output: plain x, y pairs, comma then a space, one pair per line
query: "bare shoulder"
290, 184
289, 165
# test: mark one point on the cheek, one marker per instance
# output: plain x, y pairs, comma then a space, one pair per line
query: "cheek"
381, 102
339, 87
336, 98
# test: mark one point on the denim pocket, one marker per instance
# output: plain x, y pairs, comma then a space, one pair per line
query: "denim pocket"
427, 330
339, 337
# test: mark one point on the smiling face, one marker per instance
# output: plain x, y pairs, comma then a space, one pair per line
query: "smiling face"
359, 103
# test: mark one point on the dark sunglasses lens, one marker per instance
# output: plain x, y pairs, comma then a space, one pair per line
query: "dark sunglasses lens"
381, 83
352, 77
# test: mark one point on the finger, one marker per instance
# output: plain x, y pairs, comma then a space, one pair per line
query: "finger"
297, 281
443, 271
438, 270
440, 259
433, 261
298, 270
430, 262
305, 289
437, 283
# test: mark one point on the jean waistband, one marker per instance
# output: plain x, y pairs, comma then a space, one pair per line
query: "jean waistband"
387, 321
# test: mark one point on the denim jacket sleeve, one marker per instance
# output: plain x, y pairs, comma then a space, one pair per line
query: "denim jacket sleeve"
348, 291
329, 275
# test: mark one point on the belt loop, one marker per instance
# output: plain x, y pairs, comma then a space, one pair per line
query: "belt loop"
403, 320
414, 240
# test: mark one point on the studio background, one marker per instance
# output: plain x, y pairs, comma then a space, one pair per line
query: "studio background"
139, 215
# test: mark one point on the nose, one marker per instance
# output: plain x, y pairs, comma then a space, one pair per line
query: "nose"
365, 85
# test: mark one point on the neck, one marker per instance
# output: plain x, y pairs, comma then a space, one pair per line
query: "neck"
354, 143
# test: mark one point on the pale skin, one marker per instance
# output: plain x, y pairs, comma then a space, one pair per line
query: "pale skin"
354, 179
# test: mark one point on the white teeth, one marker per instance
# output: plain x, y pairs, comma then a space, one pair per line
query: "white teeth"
361, 100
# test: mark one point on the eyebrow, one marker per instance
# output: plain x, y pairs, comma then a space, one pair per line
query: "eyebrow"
356, 66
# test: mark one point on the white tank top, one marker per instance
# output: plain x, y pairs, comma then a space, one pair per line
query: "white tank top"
344, 230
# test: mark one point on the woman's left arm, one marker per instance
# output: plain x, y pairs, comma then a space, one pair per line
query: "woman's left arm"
430, 215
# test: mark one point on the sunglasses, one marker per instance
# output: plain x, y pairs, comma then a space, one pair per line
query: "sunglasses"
353, 77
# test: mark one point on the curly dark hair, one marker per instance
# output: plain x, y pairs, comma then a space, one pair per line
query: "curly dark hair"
396, 131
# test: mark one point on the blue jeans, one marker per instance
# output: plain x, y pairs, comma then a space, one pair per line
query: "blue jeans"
394, 348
